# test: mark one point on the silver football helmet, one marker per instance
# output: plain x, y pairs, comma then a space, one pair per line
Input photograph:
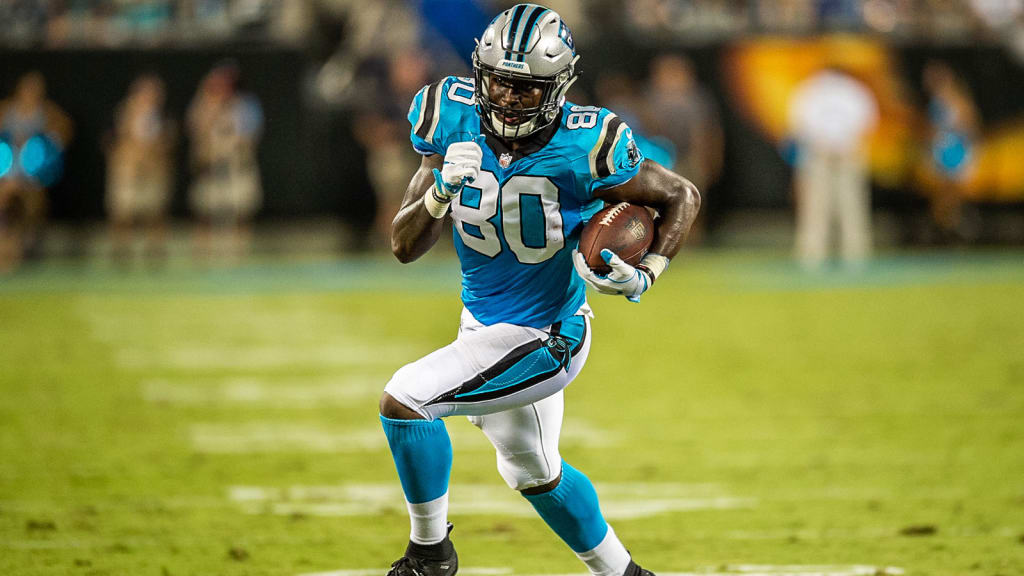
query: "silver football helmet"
526, 46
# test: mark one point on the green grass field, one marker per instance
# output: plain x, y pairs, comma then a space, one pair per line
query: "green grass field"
746, 418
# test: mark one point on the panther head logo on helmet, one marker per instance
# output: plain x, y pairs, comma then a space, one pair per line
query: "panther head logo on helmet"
524, 63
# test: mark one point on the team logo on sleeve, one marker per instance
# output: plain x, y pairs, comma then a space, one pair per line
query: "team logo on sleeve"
633, 153
505, 159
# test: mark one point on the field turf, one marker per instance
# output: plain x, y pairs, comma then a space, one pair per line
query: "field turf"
746, 418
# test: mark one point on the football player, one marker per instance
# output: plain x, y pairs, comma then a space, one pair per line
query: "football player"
520, 170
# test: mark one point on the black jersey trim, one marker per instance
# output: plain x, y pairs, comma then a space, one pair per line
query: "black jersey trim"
429, 103
583, 338
610, 132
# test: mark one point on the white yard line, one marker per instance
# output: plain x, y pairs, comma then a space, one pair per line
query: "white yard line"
272, 436
235, 317
264, 391
738, 570
263, 357
811, 570
260, 338
617, 502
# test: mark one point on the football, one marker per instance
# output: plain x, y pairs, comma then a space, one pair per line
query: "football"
624, 228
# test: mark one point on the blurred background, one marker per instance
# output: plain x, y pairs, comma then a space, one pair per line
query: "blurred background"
199, 310
217, 129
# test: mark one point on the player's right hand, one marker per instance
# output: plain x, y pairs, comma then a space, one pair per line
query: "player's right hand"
461, 166
623, 279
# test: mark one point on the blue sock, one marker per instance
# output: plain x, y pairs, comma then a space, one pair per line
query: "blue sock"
572, 511
423, 457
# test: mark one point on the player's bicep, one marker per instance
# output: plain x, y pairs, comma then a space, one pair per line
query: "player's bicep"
675, 198
653, 185
422, 179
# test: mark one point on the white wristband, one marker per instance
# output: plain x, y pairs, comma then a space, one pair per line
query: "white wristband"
656, 263
435, 207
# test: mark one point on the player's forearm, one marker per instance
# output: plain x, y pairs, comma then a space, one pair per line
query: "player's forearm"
414, 232
677, 213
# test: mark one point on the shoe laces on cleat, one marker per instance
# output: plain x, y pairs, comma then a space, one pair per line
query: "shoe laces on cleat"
406, 566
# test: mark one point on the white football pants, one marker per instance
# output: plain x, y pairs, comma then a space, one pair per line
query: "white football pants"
508, 379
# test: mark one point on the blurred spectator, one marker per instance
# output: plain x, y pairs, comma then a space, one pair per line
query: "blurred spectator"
140, 169
23, 21
149, 23
33, 134
785, 15
839, 14
384, 133
618, 92
292, 21
953, 123
370, 29
225, 125
831, 115
678, 108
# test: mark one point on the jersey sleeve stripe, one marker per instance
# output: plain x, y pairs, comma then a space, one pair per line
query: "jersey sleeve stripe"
428, 115
597, 145
615, 143
437, 112
422, 97
599, 154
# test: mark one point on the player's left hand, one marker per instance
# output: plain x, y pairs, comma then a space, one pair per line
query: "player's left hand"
623, 278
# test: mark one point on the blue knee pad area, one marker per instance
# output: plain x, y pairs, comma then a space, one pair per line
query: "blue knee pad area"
572, 510
423, 457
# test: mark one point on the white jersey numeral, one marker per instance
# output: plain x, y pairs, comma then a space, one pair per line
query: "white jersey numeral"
467, 95
483, 235
582, 117
478, 211
513, 194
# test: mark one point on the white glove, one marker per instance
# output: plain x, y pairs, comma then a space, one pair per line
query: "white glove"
623, 279
461, 166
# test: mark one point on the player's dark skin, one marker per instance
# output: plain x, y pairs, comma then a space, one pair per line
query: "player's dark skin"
414, 231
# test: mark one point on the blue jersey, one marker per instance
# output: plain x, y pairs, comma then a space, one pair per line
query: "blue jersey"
516, 226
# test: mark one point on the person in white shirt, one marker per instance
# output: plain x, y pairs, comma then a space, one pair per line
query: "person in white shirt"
831, 116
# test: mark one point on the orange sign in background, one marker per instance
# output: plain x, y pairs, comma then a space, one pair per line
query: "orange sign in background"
762, 74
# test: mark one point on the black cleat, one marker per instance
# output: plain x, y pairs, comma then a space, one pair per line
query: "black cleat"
634, 569
427, 560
